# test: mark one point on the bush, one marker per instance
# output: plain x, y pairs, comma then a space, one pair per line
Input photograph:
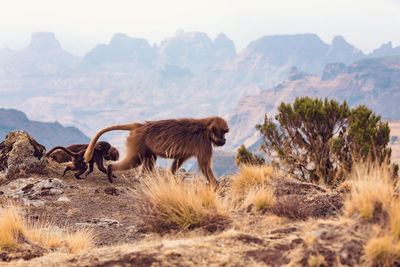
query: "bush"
246, 157
319, 141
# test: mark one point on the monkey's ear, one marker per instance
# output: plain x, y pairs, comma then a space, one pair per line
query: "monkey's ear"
211, 125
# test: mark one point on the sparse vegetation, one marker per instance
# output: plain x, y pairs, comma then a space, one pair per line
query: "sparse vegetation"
316, 260
249, 177
15, 230
244, 156
371, 190
165, 203
372, 196
261, 197
382, 251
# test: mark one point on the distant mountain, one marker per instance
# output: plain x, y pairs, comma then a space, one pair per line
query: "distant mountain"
123, 50
195, 50
47, 134
43, 56
186, 75
371, 82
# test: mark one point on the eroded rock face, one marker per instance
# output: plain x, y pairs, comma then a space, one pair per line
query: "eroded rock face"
21, 155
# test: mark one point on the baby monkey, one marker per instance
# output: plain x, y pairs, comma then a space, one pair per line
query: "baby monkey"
102, 149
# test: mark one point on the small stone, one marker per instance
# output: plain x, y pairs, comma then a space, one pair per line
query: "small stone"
33, 202
63, 199
111, 191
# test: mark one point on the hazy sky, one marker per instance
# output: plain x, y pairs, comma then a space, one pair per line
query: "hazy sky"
81, 24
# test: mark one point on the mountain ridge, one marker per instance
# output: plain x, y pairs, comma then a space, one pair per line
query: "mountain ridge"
48, 134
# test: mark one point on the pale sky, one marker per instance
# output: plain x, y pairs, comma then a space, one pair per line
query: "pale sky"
81, 24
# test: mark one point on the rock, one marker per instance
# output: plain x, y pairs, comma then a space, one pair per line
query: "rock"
30, 190
63, 199
33, 202
295, 74
100, 222
111, 191
332, 70
21, 155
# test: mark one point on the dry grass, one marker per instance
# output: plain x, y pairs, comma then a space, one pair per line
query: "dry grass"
249, 177
165, 203
371, 187
316, 260
14, 229
382, 251
372, 196
261, 197
394, 215
12, 226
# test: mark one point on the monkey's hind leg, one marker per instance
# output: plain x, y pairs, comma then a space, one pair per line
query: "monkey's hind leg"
91, 164
68, 168
80, 171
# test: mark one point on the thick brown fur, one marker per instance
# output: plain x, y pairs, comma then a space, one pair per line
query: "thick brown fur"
101, 150
179, 139
60, 156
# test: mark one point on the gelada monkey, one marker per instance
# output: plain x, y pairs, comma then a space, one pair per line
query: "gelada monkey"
178, 139
60, 156
101, 150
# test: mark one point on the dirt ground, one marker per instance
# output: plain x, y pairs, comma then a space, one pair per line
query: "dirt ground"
252, 238
92, 200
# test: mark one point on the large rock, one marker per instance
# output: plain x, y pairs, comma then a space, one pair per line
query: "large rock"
21, 155
32, 190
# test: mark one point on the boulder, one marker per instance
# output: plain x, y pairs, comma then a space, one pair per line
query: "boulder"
32, 190
21, 155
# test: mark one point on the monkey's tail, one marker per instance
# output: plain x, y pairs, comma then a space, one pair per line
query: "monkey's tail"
128, 127
66, 150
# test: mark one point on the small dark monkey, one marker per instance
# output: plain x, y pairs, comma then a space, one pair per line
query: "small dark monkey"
178, 139
60, 156
101, 149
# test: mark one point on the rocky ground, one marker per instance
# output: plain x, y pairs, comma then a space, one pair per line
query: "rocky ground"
308, 226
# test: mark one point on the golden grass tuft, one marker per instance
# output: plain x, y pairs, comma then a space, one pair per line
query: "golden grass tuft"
394, 215
249, 177
79, 240
262, 197
316, 260
165, 203
12, 226
372, 195
14, 229
371, 187
382, 251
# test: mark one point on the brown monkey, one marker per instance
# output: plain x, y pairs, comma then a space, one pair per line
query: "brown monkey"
60, 156
113, 154
179, 139
102, 149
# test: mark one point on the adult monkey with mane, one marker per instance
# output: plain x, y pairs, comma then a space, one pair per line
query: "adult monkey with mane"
179, 139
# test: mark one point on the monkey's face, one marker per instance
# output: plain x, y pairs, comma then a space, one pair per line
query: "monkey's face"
218, 130
113, 154
103, 148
